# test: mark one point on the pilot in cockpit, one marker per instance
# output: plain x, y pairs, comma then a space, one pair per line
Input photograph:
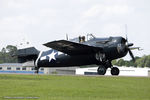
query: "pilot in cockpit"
81, 39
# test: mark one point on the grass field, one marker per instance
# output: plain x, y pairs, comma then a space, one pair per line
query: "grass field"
47, 87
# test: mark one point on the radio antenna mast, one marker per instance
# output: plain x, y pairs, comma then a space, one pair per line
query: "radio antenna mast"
126, 32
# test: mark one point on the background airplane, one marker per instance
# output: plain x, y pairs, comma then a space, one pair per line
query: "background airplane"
78, 52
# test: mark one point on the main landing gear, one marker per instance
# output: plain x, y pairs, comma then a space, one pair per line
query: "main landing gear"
102, 69
115, 71
104, 64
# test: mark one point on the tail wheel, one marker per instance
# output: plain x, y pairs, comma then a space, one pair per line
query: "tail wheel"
101, 70
115, 71
37, 70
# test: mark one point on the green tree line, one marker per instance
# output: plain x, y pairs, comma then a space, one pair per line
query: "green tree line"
6, 54
140, 62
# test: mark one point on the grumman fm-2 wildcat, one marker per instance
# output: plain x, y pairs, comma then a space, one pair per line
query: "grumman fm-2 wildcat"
79, 52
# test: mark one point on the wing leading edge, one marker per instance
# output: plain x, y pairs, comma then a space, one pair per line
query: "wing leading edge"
72, 48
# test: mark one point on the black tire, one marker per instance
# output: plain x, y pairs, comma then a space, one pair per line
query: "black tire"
115, 71
36, 70
101, 70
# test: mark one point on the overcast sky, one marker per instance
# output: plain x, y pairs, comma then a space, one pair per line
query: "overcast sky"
40, 21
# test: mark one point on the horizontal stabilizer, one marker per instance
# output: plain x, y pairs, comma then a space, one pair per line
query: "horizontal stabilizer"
28, 64
27, 54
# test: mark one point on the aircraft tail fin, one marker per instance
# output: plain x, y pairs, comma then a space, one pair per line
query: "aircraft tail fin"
27, 54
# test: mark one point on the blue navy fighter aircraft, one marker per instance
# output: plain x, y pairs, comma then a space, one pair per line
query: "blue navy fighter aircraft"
79, 52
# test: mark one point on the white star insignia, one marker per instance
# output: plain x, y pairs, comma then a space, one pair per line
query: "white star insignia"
52, 56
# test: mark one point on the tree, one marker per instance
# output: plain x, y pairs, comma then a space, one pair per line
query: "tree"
114, 62
3, 55
121, 62
11, 49
11, 52
140, 62
6, 54
147, 62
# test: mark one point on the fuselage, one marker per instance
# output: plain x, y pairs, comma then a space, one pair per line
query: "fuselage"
113, 48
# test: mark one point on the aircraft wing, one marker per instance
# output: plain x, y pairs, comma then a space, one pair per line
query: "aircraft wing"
72, 48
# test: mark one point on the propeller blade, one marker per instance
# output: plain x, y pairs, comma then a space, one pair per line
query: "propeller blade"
134, 48
131, 54
130, 44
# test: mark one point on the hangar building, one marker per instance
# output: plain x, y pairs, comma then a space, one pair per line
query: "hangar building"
17, 68
21, 69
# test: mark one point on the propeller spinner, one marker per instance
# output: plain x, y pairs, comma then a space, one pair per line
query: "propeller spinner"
124, 47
